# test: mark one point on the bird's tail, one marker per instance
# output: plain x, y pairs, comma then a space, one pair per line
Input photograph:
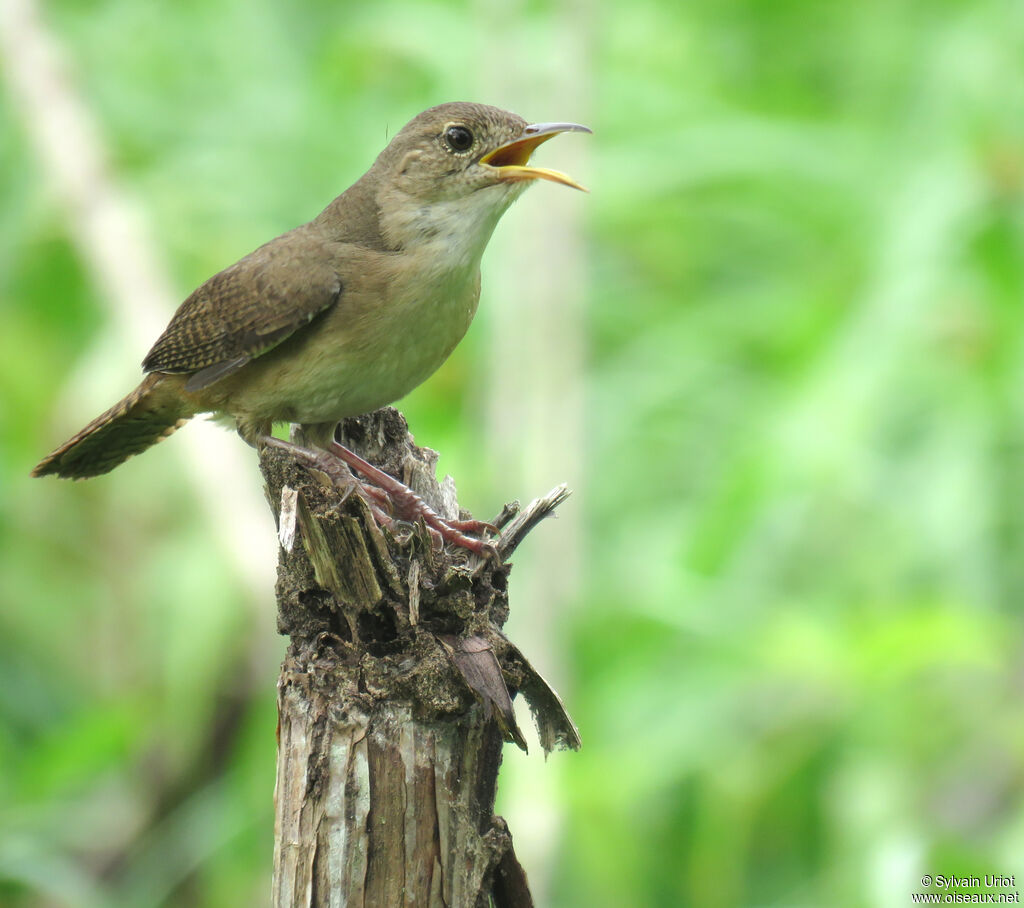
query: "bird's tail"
149, 414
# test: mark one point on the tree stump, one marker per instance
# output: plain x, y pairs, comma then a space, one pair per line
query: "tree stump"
395, 694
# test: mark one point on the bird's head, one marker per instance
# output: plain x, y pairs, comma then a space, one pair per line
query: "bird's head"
457, 150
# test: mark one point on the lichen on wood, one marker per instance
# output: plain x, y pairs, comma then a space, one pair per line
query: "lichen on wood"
395, 695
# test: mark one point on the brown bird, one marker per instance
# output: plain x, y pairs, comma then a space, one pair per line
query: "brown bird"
341, 315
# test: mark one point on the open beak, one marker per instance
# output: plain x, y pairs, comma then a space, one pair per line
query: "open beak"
510, 160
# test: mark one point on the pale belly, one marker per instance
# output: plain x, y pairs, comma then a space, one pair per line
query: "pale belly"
362, 356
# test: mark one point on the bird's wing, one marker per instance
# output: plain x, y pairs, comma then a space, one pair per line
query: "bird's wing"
247, 309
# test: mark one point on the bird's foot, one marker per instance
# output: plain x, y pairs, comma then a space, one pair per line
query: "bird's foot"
407, 505
388, 494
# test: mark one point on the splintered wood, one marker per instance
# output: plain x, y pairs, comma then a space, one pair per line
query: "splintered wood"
395, 695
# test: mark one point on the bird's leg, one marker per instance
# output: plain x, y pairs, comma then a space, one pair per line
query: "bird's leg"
409, 506
339, 474
338, 463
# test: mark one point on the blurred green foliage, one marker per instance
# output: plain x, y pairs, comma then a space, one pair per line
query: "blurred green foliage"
796, 656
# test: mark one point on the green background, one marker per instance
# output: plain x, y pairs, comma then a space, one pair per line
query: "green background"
777, 351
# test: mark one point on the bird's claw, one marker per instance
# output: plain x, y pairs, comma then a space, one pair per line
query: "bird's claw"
476, 527
450, 531
388, 494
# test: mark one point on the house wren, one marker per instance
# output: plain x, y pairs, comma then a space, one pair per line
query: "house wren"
342, 315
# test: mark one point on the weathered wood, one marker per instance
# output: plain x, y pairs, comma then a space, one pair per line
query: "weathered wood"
395, 694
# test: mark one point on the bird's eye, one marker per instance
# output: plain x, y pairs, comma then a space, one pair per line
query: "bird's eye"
458, 138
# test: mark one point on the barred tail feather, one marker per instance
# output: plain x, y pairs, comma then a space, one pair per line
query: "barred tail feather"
148, 415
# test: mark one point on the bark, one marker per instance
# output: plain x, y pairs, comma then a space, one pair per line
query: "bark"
395, 695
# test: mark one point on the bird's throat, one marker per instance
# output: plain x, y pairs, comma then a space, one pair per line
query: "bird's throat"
451, 233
